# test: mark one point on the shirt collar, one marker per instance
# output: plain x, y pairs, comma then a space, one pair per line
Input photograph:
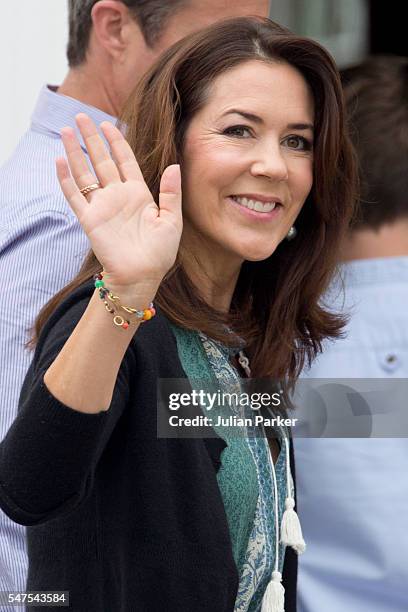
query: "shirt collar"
54, 111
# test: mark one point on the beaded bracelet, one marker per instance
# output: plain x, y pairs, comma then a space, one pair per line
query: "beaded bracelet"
104, 292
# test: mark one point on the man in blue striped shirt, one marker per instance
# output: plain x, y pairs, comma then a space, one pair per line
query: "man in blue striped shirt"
111, 44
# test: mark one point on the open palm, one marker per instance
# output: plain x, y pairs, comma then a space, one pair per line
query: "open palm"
131, 236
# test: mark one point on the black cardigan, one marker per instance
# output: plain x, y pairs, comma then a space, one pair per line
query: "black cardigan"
123, 520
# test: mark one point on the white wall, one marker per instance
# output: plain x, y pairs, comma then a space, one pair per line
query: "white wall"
33, 35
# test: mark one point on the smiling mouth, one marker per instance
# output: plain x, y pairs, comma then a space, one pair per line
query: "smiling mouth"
256, 205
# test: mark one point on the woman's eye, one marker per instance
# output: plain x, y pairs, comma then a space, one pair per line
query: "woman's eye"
298, 143
241, 131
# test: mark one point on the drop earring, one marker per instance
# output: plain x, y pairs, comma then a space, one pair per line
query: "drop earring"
291, 233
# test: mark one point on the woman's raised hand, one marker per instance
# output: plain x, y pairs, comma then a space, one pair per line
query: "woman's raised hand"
135, 240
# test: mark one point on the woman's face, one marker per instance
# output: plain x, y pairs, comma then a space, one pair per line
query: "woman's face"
248, 161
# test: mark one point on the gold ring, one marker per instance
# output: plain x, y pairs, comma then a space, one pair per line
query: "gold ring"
89, 188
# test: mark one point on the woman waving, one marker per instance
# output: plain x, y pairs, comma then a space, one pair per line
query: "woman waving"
213, 273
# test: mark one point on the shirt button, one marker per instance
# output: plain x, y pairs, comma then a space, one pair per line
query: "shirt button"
390, 362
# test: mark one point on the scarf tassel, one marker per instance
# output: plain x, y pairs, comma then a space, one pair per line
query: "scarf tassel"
291, 531
274, 597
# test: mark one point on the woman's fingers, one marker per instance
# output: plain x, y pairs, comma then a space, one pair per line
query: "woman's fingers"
77, 161
123, 166
69, 187
104, 166
121, 153
170, 191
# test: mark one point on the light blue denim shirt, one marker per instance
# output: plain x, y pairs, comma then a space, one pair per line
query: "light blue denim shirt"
42, 247
353, 493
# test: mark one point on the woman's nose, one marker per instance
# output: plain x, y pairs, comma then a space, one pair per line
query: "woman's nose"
270, 162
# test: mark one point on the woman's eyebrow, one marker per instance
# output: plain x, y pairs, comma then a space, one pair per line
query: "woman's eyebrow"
301, 126
256, 119
248, 116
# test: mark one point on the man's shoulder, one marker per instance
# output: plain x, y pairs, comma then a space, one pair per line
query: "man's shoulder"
28, 181
32, 161
29, 188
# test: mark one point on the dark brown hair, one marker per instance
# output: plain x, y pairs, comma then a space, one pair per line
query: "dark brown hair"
376, 94
276, 305
151, 15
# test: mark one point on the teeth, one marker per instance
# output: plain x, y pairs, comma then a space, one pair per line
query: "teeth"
255, 204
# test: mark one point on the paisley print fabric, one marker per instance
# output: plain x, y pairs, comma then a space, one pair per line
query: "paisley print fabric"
245, 477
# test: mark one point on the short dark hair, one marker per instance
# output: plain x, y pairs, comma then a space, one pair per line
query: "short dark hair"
152, 15
377, 99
